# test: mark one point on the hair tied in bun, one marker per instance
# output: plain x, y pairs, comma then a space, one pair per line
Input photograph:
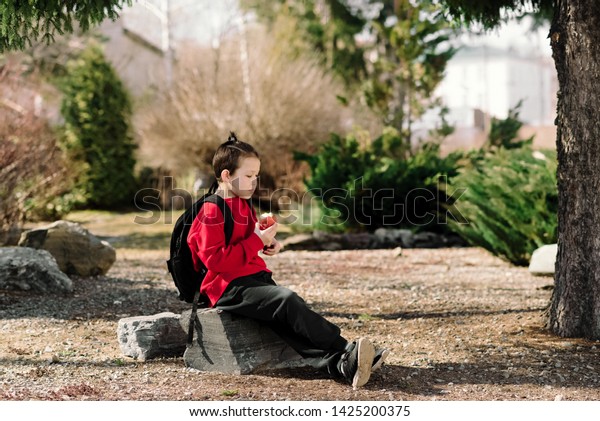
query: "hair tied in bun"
232, 137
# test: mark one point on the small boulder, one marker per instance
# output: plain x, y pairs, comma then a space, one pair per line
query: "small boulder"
358, 240
77, 251
147, 337
543, 260
428, 240
27, 269
393, 237
10, 236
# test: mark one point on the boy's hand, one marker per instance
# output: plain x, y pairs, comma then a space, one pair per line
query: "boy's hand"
274, 248
268, 235
266, 220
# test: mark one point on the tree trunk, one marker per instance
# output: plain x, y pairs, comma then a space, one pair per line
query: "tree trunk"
575, 35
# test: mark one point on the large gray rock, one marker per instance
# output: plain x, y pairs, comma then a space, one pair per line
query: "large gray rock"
226, 343
27, 269
543, 260
147, 337
77, 251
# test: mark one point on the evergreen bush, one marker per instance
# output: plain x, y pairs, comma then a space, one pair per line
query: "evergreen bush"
97, 112
380, 183
504, 133
510, 202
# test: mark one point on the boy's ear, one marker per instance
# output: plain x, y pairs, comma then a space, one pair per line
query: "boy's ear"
225, 175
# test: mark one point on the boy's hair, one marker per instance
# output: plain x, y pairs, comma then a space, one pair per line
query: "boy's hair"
228, 155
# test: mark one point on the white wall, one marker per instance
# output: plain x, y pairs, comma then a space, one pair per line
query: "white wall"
494, 70
200, 21
135, 44
494, 81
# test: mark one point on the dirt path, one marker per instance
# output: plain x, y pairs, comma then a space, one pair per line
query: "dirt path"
461, 325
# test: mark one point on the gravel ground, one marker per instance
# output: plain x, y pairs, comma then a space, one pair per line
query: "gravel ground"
460, 323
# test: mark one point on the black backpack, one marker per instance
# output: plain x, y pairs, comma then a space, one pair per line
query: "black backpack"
180, 265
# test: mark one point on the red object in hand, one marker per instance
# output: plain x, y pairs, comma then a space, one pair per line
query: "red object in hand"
266, 220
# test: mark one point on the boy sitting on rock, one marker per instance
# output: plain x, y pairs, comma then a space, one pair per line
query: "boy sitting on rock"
239, 281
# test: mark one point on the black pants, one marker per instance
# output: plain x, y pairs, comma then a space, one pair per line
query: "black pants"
308, 333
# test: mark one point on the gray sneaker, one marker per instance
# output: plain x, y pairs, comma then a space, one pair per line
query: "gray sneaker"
380, 357
356, 364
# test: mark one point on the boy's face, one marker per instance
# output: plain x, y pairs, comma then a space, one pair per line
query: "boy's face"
244, 179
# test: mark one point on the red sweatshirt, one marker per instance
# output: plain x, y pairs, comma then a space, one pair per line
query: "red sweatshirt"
225, 263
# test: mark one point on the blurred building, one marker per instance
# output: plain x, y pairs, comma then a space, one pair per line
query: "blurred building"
492, 74
491, 81
144, 42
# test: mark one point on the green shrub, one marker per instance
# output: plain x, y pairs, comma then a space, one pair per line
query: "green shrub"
364, 184
510, 202
504, 132
97, 112
53, 208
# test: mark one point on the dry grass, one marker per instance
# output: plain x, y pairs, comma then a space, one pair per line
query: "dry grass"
33, 170
276, 103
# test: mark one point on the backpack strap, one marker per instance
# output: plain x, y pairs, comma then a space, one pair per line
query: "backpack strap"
228, 218
227, 215
193, 318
